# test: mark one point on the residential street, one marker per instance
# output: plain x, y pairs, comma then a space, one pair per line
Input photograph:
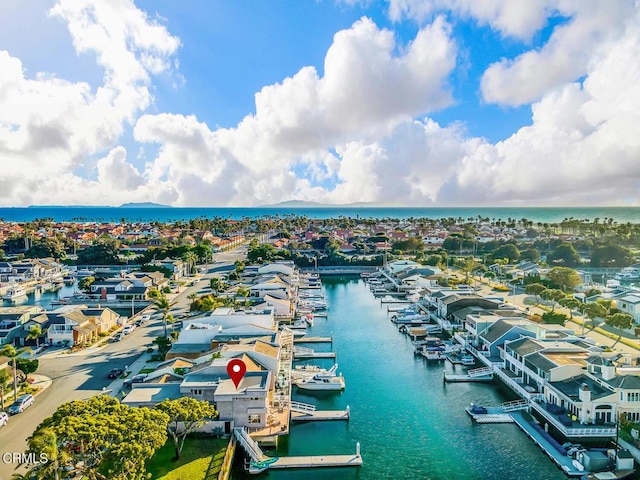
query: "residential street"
82, 375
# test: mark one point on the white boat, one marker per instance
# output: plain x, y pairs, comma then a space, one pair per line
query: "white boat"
15, 292
85, 273
306, 371
410, 318
309, 319
322, 382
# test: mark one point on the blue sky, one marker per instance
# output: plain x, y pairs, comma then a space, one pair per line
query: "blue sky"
403, 102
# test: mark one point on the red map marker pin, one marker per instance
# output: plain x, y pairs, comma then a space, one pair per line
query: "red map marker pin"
236, 369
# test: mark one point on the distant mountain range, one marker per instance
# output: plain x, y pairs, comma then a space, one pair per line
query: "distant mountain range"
144, 205
305, 204
124, 205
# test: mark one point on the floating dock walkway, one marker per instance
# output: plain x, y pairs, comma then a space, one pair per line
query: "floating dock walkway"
484, 374
565, 462
501, 414
304, 412
260, 462
313, 339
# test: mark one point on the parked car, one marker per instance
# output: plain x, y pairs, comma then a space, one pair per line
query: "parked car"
21, 404
118, 336
128, 329
135, 379
4, 419
115, 372
142, 319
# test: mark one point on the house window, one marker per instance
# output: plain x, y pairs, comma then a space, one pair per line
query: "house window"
254, 419
197, 392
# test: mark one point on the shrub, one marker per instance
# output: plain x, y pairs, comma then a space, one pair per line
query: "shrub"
555, 318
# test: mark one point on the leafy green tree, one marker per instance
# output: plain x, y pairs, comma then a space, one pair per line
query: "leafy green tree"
452, 243
113, 441
101, 253
535, 289
35, 333
85, 283
611, 256
620, 320
509, 251
530, 255
46, 247
45, 441
185, 416
554, 296
572, 304
411, 244
203, 252
26, 366
593, 310
564, 255
566, 278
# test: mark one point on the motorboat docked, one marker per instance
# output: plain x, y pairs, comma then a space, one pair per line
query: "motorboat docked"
410, 318
322, 382
15, 292
309, 319
306, 371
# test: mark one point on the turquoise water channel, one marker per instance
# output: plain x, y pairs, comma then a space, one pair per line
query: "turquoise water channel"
409, 423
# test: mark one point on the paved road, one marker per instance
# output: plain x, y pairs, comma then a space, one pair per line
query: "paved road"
83, 375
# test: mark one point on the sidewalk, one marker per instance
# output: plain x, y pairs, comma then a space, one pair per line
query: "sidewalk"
42, 382
115, 388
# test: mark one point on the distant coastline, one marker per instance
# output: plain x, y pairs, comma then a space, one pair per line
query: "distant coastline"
136, 213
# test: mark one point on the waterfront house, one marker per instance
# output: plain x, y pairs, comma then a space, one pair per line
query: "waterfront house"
122, 289
629, 302
78, 324
12, 320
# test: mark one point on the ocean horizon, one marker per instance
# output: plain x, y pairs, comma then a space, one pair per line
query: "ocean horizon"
172, 214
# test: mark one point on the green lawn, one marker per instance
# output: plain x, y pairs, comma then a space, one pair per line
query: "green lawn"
201, 459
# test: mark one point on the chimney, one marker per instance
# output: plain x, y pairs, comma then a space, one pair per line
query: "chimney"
608, 371
584, 394
103, 293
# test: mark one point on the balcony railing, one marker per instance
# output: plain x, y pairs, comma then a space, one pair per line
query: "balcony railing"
581, 431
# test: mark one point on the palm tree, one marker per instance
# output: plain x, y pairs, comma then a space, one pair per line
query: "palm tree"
190, 258
12, 352
35, 333
162, 304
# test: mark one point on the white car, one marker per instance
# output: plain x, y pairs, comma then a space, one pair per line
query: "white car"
4, 419
128, 329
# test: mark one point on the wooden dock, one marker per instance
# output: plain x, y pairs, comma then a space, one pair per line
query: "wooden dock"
476, 375
317, 461
564, 462
313, 340
492, 415
303, 352
320, 415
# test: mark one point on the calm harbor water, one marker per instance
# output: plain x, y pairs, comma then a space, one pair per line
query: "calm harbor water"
44, 299
165, 214
409, 423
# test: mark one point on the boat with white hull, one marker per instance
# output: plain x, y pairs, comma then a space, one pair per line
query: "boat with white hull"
320, 381
15, 292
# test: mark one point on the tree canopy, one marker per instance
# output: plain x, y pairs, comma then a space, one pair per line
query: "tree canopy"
566, 278
185, 416
111, 440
